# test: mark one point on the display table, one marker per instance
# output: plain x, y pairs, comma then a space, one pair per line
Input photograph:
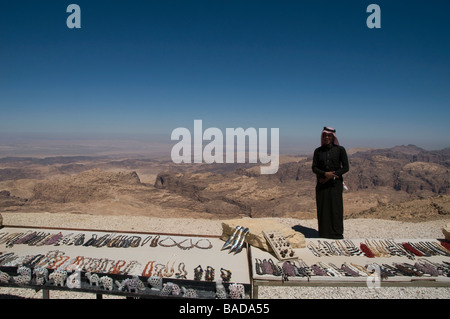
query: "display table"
191, 262
328, 264
156, 265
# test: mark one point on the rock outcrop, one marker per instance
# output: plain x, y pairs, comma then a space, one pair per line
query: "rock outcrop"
91, 185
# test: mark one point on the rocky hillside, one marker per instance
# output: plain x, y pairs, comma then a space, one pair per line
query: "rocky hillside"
376, 177
417, 210
89, 186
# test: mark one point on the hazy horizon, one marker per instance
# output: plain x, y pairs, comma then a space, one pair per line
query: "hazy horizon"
137, 70
45, 145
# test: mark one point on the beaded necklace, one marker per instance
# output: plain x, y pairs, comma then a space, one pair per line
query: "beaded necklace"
54, 239
146, 240
203, 239
182, 273
117, 266
147, 272
198, 272
209, 273
154, 241
179, 245
225, 274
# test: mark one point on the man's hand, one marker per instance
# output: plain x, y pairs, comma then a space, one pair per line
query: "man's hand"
328, 176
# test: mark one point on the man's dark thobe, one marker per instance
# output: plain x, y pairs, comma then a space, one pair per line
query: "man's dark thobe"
329, 202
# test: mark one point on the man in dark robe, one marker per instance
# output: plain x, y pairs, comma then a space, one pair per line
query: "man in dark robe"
330, 162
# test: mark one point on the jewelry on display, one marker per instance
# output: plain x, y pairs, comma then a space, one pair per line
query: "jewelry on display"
198, 272
258, 266
239, 241
209, 273
276, 270
225, 274
147, 272
154, 241
288, 270
129, 268
182, 273
230, 240
173, 244
411, 249
366, 250
117, 266
54, 239
90, 241
158, 270
179, 245
349, 271
201, 247
146, 240
267, 267
167, 272
237, 291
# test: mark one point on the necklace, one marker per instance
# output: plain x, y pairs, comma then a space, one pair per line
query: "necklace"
131, 265
209, 273
182, 273
159, 271
147, 272
185, 247
65, 240
117, 266
225, 274
163, 244
54, 239
154, 242
167, 272
201, 247
198, 272
146, 240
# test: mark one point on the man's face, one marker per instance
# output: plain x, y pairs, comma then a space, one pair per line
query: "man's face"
328, 138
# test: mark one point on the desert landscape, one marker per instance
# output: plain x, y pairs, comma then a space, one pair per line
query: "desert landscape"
404, 183
400, 191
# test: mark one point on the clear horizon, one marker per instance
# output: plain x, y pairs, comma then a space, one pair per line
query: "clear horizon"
138, 70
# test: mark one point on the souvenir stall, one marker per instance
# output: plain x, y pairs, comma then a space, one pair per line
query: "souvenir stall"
249, 254
366, 262
130, 264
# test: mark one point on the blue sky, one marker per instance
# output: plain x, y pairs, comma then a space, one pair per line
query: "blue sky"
144, 68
